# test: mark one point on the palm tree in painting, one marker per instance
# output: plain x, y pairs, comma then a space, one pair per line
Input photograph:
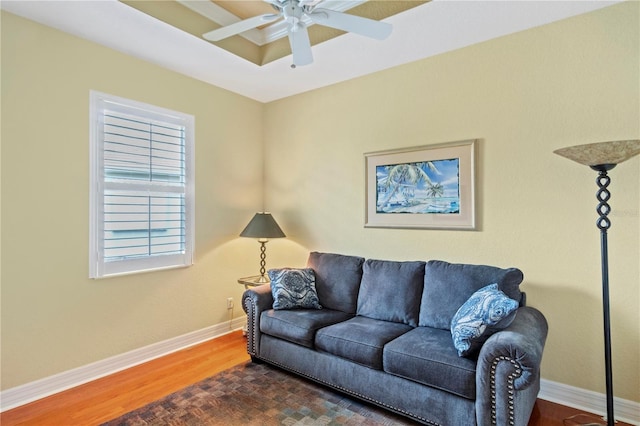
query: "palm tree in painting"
403, 176
435, 190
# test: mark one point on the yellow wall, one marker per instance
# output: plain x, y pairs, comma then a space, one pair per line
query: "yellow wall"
522, 96
54, 317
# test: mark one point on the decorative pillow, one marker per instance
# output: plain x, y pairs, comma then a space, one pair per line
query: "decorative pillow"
448, 285
294, 288
487, 311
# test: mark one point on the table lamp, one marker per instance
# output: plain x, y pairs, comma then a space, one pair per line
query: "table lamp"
602, 157
263, 227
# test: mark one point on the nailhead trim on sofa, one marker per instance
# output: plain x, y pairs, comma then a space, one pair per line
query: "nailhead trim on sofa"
510, 388
350, 392
252, 326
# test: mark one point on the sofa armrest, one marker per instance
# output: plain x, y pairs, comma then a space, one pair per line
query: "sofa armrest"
254, 301
508, 370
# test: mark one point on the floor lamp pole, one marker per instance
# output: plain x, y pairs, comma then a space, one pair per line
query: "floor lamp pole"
603, 195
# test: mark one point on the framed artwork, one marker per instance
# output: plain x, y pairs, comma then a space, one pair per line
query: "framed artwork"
430, 187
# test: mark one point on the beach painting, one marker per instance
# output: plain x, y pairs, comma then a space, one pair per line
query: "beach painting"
426, 187
422, 187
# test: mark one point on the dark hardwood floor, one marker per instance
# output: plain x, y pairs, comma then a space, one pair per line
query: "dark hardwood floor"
119, 393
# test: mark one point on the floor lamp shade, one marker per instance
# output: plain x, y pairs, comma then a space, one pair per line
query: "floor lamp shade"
602, 157
595, 154
263, 227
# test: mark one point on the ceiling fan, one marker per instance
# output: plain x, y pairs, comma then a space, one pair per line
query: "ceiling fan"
296, 13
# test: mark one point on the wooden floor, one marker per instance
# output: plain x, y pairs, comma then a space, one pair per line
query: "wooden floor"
112, 396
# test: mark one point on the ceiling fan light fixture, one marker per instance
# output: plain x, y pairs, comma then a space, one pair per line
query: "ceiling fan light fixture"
297, 27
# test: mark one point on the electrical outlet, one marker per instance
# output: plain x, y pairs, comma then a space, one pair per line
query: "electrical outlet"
230, 303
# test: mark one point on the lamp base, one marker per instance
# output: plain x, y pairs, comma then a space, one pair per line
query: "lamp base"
262, 279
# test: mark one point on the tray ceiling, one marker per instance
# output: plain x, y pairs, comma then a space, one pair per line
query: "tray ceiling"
428, 29
268, 42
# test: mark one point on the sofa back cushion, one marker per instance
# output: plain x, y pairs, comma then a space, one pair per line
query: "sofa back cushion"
337, 280
447, 286
390, 291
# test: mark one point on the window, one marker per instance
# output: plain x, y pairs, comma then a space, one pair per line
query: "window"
142, 187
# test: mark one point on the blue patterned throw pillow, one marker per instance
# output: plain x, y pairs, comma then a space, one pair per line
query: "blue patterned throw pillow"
294, 288
487, 311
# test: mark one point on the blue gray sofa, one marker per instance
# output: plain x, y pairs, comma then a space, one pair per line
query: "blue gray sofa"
384, 335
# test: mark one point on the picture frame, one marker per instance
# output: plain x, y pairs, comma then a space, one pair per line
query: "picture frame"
424, 187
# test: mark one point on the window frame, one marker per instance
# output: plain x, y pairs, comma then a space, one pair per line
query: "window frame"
98, 267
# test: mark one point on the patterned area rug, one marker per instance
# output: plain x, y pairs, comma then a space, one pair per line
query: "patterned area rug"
260, 395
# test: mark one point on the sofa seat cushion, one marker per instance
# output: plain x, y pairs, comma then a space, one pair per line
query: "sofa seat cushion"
427, 356
360, 339
300, 325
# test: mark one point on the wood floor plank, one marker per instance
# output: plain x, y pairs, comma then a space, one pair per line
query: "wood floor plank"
119, 393
112, 396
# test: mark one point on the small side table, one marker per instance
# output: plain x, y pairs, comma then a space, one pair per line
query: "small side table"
247, 282
252, 281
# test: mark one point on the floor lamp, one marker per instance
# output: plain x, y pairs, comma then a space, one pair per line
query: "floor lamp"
602, 157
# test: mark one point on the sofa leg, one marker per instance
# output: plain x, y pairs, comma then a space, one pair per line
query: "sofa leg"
256, 360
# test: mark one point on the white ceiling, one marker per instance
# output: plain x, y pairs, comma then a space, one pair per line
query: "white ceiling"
426, 30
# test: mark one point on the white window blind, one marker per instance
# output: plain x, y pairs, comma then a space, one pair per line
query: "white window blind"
142, 187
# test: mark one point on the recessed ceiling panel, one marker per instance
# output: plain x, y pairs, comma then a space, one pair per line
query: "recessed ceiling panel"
198, 17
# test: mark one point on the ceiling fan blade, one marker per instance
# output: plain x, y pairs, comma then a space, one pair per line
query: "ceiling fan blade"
300, 44
275, 3
310, 3
240, 27
351, 23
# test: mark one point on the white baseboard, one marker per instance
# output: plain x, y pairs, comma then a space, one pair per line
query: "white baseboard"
29, 392
586, 400
593, 402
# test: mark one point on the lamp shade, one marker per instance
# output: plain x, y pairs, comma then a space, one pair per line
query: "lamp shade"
595, 154
263, 225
